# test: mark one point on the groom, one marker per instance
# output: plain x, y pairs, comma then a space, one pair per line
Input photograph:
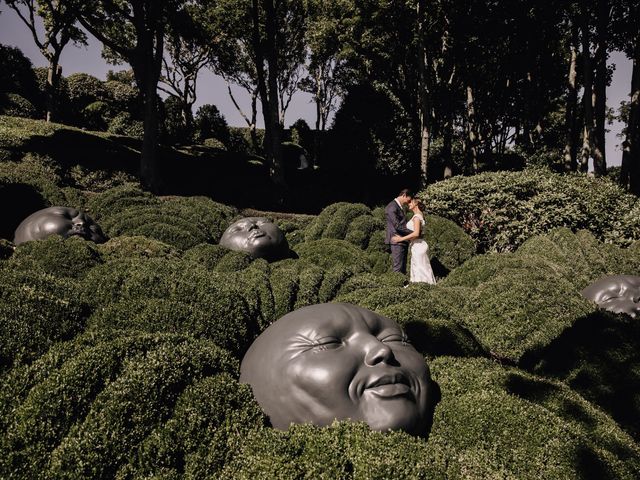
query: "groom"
397, 225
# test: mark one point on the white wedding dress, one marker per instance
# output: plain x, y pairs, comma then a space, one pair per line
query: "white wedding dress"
420, 268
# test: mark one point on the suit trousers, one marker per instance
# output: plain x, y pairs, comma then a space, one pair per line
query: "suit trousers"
399, 257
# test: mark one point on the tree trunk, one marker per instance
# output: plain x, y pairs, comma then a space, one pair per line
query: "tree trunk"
54, 73
472, 131
630, 171
587, 97
148, 161
600, 90
423, 95
268, 88
571, 145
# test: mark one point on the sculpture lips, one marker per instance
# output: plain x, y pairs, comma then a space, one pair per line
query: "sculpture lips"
389, 386
256, 234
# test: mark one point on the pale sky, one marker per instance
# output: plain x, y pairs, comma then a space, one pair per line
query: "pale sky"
213, 89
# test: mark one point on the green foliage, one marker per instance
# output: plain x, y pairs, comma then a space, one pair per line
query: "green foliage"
449, 245
584, 258
15, 105
210, 123
36, 171
211, 419
182, 222
340, 451
600, 359
124, 124
127, 386
501, 210
135, 247
485, 408
16, 73
328, 253
521, 311
36, 310
67, 258
168, 295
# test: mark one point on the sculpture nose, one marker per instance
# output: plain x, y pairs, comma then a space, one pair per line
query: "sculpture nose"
378, 352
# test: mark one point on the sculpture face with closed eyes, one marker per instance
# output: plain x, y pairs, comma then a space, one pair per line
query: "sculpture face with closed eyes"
258, 236
338, 361
63, 221
616, 293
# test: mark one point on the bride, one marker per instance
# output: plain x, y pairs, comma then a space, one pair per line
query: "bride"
420, 268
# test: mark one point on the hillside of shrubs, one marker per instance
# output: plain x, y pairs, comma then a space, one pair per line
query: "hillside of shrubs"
121, 360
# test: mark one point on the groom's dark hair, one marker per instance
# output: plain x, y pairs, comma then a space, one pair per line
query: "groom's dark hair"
406, 191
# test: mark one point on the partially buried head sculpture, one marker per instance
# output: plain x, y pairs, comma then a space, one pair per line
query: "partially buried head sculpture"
616, 293
63, 221
339, 361
258, 236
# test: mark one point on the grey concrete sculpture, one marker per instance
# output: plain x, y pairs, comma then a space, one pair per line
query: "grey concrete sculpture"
258, 236
616, 293
338, 361
63, 221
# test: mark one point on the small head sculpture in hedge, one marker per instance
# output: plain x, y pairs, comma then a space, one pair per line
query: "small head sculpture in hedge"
339, 361
258, 236
616, 293
63, 221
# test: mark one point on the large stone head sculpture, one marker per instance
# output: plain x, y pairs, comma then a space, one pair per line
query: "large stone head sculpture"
339, 361
616, 293
63, 221
258, 236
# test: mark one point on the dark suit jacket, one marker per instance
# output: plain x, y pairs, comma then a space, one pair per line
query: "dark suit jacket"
396, 222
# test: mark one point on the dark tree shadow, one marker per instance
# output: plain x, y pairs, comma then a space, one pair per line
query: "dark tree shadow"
599, 357
435, 339
18, 201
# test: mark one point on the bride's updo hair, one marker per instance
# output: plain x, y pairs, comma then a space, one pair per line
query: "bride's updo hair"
419, 203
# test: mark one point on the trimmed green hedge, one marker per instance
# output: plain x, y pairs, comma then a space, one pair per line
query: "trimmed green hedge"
501, 210
72, 257
36, 310
124, 247
328, 253
88, 418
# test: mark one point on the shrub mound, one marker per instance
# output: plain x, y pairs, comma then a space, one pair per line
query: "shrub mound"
450, 246
72, 257
501, 210
177, 221
121, 359
36, 310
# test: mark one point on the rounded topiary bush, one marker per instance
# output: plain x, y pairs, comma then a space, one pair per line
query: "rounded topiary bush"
361, 229
205, 255
91, 416
36, 310
599, 357
113, 202
124, 247
72, 257
482, 268
504, 423
341, 451
211, 419
328, 253
585, 258
500, 210
449, 245
519, 312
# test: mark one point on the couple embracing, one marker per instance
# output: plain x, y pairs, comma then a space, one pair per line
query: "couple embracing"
402, 234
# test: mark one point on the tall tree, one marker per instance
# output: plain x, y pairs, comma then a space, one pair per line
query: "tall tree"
325, 65
188, 50
630, 171
134, 31
601, 80
59, 18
